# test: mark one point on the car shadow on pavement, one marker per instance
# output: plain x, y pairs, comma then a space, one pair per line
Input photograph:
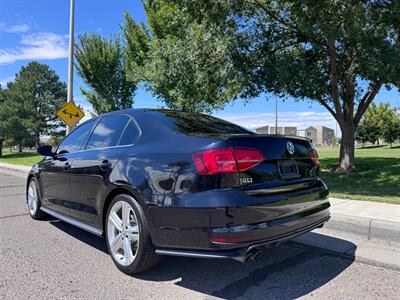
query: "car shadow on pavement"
288, 271
83, 236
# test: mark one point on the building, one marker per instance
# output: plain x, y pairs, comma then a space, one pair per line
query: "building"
263, 130
278, 130
320, 135
285, 130
325, 136
310, 133
290, 131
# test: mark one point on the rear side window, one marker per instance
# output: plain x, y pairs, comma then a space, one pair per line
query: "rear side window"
107, 132
76, 139
130, 134
197, 124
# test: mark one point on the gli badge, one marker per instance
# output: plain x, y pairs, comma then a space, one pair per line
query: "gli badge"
246, 180
290, 147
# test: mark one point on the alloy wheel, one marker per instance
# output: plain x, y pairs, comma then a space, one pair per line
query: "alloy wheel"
32, 198
123, 233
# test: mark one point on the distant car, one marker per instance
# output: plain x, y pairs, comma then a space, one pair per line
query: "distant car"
161, 182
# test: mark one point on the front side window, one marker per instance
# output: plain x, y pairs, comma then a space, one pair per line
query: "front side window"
76, 139
107, 132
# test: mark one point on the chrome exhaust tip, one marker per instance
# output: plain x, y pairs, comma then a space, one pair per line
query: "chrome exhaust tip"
251, 255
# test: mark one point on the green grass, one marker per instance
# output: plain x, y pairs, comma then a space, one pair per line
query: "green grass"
377, 175
25, 158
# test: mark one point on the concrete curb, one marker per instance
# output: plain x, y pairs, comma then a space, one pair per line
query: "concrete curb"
16, 170
357, 249
367, 232
13, 167
366, 228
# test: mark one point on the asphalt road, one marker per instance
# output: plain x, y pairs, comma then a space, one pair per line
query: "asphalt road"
51, 259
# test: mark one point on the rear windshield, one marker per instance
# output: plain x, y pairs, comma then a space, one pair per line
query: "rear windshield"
197, 124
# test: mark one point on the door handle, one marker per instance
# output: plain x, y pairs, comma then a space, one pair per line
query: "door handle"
105, 165
67, 166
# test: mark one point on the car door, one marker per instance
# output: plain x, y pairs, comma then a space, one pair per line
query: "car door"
90, 169
54, 171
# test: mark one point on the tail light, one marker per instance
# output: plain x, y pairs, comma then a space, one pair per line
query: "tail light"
314, 156
226, 160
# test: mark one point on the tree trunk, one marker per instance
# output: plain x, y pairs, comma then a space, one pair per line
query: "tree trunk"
19, 148
346, 160
1, 148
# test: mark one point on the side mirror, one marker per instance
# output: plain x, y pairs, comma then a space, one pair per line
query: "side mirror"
45, 150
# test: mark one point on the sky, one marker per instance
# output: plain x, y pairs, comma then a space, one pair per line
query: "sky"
38, 30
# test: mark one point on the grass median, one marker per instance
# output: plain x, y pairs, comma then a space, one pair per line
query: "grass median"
377, 177
24, 158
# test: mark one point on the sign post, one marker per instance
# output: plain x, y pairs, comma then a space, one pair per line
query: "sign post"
70, 57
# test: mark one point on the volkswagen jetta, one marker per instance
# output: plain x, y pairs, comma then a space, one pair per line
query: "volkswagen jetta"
161, 182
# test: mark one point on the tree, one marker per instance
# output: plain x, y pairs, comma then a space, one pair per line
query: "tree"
337, 53
3, 128
391, 133
103, 66
367, 132
31, 103
56, 138
184, 63
380, 119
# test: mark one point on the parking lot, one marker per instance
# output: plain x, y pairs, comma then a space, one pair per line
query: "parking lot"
51, 259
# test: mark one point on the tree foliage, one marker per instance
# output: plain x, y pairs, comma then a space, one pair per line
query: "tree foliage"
337, 53
367, 133
30, 104
184, 63
392, 133
199, 55
380, 122
102, 65
3, 124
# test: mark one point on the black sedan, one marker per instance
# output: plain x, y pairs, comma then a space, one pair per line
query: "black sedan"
161, 182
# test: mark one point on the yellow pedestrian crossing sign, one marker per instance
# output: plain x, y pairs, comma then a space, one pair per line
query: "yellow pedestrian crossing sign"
70, 114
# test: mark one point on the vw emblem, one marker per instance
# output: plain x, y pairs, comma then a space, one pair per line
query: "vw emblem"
290, 147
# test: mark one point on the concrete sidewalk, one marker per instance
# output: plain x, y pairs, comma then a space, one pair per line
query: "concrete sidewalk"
366, 231
366, 209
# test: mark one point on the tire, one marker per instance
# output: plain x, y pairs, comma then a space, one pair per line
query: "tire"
33, 200
124, 229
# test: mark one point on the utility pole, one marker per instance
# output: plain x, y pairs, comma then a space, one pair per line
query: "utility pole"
398, 107
70, 57
336, 131
276, 114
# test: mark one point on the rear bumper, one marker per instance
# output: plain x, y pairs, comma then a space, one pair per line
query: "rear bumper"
240, 223
243, 253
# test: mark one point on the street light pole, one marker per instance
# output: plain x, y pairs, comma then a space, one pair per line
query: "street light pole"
70, 57
276, 114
